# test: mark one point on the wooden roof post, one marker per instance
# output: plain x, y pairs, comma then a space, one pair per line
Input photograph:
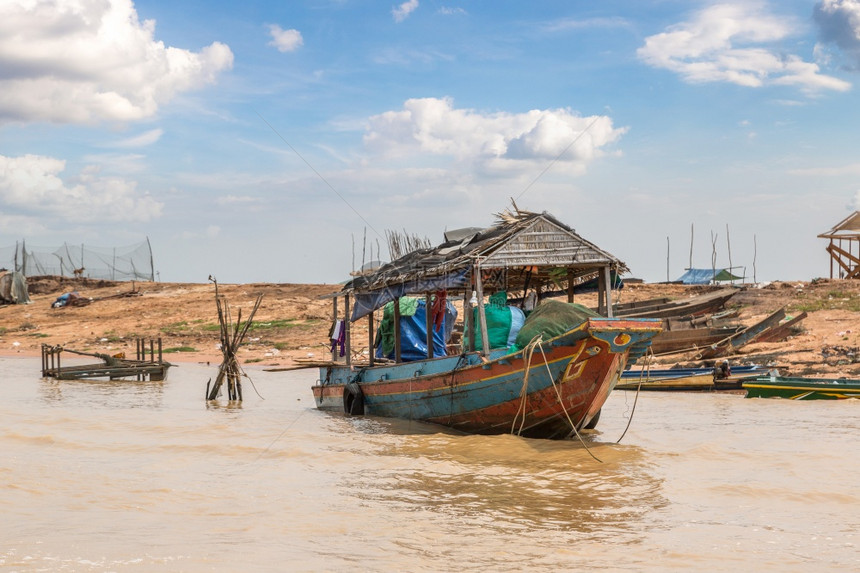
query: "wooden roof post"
607, 272
482, 313
370, 337
428, 321
601, 292
334, 320
397, 329
347, 324
570, 285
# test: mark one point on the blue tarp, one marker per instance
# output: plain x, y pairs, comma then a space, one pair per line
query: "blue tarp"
413, 334
706, 276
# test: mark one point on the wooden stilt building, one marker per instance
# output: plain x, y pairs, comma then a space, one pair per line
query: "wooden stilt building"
844, 247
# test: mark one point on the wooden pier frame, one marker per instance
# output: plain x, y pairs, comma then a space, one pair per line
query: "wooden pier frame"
113, 367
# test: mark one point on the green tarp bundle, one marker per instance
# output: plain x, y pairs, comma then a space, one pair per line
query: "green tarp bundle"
552, 318
385, 334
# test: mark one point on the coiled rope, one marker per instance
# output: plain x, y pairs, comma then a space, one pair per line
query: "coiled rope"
528, 351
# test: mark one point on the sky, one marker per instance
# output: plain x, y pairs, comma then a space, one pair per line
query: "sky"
280, 141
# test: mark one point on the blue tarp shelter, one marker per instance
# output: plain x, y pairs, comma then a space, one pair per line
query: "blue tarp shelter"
706, 276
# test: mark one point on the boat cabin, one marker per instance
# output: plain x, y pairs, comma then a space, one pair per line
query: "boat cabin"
524, 255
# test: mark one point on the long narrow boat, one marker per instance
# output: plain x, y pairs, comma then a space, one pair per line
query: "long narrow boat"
661, 308
549, 385
802, 388
493, 397
686, 379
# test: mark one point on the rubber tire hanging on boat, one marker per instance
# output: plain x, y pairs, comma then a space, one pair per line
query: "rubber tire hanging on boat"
353, 399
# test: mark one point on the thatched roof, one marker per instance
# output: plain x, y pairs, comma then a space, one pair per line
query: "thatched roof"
519, 245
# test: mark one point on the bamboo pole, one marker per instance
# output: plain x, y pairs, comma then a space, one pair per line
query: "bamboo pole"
428, 323
482, 314
370, 338
397, 330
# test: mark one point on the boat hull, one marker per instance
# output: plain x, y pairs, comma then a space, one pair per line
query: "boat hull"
562, 386
686, 379
802, 388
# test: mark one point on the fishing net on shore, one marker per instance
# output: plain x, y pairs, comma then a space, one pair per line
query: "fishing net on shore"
133, 262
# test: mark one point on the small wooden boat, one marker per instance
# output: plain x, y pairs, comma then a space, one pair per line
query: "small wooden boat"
547, 385
686, 379
743, 337
802, 388
661, 308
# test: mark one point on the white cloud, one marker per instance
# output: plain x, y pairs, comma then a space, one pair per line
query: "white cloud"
237, 200
142, 140
33, 184
839, 23
734, 43
84, 61
495, 141
285, 40
403, 11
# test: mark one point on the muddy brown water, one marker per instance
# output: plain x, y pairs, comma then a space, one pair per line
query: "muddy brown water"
140, 476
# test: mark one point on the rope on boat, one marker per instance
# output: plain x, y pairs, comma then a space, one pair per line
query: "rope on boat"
646, 369
528, 351
563, 409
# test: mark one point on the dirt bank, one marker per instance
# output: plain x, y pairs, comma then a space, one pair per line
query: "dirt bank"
293, 322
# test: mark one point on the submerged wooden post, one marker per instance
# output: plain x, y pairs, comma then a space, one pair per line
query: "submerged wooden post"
229, 369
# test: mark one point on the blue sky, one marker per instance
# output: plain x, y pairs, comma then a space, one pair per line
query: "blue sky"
259, 141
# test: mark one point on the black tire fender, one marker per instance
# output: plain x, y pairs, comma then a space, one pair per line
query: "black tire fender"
353, 399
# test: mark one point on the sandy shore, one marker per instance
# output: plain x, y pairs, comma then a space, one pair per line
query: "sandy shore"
292, 323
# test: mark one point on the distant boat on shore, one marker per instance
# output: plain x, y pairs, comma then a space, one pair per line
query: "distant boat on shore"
797, 388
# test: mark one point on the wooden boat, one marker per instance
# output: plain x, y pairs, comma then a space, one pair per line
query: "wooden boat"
675, 340
550, 387
661, 308
505, 393
802, 388
745, 336
686, 379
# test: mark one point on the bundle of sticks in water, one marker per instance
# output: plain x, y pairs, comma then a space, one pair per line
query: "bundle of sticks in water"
231, 337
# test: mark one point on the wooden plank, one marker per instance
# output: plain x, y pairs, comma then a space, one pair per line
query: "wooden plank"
781, 332
743, 337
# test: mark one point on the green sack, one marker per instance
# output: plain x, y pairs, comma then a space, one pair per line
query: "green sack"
498, 323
